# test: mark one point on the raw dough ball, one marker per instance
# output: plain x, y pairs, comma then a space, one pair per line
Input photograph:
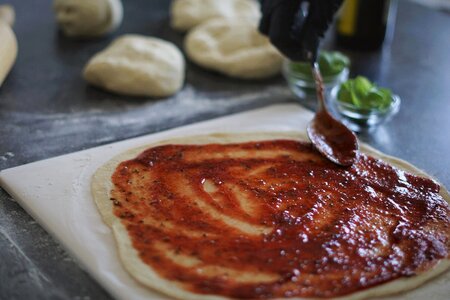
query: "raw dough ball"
233, 47
189, 13
138, 66
8, 41
7, 14
87, 18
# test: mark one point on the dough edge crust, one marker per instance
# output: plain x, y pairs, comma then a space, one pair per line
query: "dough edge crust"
101, 185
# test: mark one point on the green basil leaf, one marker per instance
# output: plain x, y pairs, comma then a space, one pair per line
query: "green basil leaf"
344, 93
300, 67
362, 86
355, 100
332, 63
374, 99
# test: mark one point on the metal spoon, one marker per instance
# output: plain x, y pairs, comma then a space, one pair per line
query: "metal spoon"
330, 137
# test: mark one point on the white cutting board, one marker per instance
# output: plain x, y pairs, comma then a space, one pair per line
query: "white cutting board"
56, 192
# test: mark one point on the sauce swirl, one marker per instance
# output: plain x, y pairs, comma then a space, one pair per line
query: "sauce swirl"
276, 219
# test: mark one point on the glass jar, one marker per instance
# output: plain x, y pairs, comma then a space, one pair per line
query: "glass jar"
303, 85
361, 119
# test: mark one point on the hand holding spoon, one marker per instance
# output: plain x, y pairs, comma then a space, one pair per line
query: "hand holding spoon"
330, 137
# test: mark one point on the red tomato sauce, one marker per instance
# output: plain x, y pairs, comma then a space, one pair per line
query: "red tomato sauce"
276, 219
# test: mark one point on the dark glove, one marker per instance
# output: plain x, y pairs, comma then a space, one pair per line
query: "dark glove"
296, 26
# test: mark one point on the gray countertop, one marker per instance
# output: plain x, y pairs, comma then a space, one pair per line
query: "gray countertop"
46, 109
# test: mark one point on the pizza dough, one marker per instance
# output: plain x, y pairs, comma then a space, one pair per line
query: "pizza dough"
137, 66
101, 187
233, 47
88, 18
186, 14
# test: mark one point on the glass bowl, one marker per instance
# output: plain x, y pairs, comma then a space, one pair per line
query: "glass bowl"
303, 86
359, 119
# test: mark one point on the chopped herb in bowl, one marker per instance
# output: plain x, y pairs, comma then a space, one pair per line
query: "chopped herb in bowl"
363, 94
331, 63
362, 104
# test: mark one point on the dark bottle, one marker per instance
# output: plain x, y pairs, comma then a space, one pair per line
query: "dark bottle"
365, 24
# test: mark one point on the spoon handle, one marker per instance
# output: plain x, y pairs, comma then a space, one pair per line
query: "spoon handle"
319, 84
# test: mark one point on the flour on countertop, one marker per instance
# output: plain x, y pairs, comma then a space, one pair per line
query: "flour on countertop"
6, 156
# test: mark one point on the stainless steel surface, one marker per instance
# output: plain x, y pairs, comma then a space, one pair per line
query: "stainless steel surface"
46, 109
